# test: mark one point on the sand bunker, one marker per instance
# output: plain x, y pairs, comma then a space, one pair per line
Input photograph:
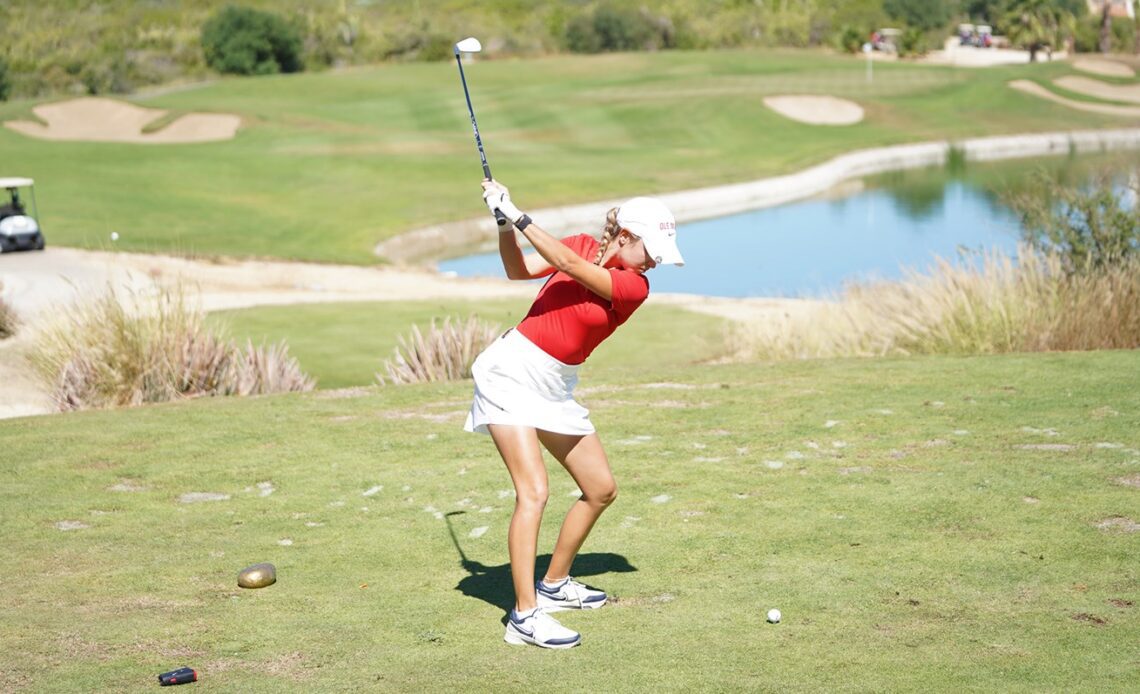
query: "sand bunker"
1107, 68
1107, 109
95, 119
816, 110
1102, 90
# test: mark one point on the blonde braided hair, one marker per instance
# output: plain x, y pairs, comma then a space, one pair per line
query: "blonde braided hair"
609, 233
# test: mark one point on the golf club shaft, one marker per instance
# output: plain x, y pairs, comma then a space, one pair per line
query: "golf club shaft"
499, 216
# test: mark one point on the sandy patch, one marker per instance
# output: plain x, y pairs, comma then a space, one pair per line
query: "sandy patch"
97, 119
816, 110
1130, 480
1108, 68
1061, 447
71, 525
198, 497
1119, 523
1107, 109
1102, 90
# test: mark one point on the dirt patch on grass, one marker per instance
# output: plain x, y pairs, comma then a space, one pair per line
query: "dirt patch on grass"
641, 601
97, 119
289, 665
1132, 480
1090, 618
198, 497
1046, 447
66, 525
1119, 524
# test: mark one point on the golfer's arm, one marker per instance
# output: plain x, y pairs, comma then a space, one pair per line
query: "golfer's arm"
518, 266
561, 258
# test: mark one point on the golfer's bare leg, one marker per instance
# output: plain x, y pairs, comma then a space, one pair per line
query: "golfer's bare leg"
520, 451
585, 460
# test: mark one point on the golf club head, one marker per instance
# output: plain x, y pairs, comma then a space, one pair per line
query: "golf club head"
468, 45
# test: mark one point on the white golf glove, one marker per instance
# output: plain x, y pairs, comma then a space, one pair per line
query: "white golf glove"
497, 197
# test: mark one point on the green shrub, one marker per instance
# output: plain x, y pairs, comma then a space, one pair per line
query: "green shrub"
1089, 228
111, 352
245, 41
616, 29
921, 14
852, 40
444, 354
912, 42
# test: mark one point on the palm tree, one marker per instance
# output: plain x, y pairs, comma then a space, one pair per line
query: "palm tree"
1136, 31
1106, 27
1036, 25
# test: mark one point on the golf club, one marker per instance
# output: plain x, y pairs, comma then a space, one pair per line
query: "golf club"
472, 45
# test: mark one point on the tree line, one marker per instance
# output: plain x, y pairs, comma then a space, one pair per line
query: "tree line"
117, 46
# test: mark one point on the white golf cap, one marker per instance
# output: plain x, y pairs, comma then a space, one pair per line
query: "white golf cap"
653, 223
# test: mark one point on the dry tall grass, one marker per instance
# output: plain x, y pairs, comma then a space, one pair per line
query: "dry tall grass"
444, 354
114, 351
1002, 305
8, 318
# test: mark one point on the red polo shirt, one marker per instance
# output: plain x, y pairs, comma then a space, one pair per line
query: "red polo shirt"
567, 321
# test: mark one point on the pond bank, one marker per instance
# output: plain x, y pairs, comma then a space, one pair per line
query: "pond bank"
469, 235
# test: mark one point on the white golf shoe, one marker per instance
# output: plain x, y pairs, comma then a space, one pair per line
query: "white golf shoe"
539, 629
568, 595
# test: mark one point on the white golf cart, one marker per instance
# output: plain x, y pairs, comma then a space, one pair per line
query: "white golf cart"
18, 229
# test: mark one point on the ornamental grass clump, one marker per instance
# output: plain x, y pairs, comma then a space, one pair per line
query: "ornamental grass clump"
117, 351
997, 305
444, 353
8, 318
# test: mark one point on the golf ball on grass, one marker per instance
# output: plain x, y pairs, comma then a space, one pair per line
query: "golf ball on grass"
774, 616
114, 236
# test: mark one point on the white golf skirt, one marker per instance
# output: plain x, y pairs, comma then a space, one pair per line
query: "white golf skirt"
517, 383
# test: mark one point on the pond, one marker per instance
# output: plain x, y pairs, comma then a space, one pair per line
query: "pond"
814, 247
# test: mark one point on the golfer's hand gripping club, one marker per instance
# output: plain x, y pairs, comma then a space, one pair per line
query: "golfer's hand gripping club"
498, 200
500, 218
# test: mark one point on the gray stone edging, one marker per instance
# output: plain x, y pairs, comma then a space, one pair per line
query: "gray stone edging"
424, 244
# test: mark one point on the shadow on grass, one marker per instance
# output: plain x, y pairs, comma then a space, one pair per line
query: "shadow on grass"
492, 584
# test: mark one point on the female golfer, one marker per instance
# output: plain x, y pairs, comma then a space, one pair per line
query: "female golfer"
524, 385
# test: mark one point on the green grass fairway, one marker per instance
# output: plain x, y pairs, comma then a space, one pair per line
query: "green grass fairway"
936, 524
346, 344
330, 163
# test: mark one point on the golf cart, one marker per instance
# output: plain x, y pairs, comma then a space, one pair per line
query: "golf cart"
18, 230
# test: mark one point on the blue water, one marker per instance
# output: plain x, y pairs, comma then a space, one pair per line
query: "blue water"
814, 247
